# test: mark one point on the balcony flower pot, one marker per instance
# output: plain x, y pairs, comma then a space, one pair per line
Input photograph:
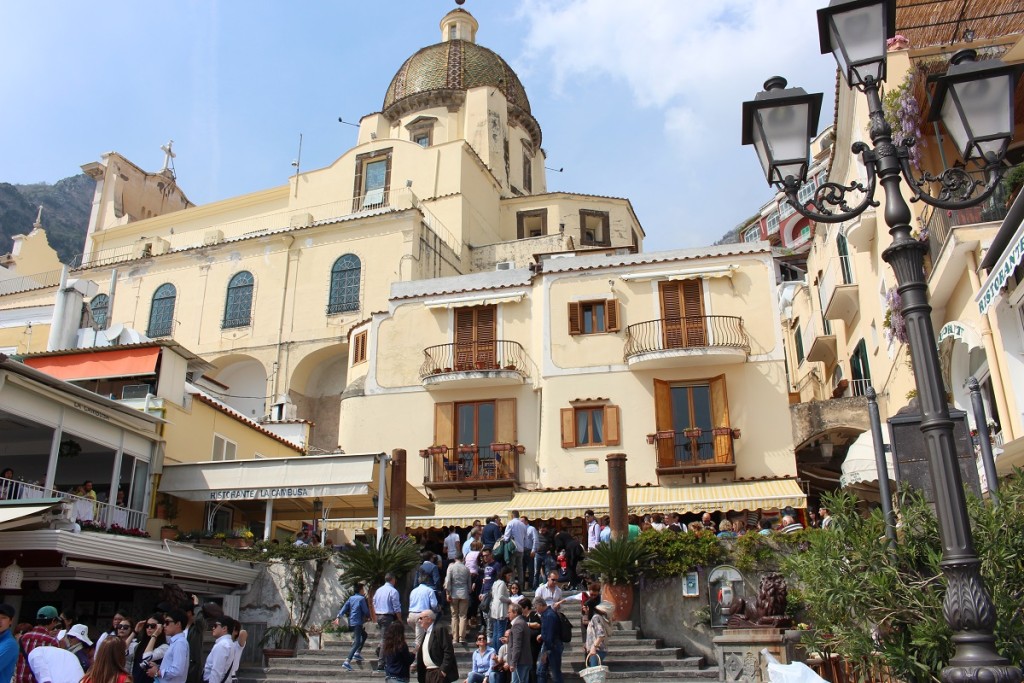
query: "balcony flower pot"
722, 431
651, 438
736, 433
693, 433
238, 542
169, 533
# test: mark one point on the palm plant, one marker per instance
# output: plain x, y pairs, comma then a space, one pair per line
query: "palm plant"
618, 562
369, 564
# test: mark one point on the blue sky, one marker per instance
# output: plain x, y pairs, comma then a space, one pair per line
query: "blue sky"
635, 99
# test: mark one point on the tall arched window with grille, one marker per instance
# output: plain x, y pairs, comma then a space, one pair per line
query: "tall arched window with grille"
345, 275
161, 313
238, 305
99, 307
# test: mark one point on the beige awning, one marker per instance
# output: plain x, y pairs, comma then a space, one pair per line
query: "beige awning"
16, 514
460, 514
488, 299
743, 495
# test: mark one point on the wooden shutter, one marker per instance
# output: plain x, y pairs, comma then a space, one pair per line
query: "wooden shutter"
568, 428
611, 315
611, 426
505, 420
465, 323
720, 420
444, 424
671, 315
666, 448
486, 333
575, 318
693, 313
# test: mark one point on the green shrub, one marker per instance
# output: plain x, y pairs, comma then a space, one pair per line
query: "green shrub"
673, 554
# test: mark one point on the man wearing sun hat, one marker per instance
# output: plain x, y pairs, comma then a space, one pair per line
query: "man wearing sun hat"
79, 641
47, 623
8, 645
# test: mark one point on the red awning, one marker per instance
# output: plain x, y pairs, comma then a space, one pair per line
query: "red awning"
98, 365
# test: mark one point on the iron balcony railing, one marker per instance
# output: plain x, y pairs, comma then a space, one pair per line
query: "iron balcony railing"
497, 463
83, 510
695, 449
685, 333
474, 356
27, 283
942, 221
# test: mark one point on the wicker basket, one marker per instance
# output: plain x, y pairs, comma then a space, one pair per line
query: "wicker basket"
594, 674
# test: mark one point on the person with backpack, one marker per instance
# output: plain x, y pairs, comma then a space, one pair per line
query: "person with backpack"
549, 665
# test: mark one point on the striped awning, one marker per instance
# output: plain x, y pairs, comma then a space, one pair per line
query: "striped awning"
743, 495
460, 514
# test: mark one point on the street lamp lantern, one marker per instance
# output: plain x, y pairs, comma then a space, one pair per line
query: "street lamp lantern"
975, 102
780, 123
855, 32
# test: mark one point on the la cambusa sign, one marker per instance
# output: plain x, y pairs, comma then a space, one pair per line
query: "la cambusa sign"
262, 494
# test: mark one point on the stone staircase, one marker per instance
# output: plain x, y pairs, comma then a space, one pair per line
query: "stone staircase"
631, 657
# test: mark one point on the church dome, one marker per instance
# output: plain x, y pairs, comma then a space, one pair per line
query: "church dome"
440, 75
454, 65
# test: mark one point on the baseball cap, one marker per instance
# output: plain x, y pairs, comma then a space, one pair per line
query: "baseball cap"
47, 612
80, 631
7, 610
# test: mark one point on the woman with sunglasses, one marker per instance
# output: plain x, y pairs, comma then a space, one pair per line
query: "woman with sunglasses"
482, 656
151, 647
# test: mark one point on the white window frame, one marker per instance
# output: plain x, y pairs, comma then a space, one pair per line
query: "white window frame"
769, 222
223, 449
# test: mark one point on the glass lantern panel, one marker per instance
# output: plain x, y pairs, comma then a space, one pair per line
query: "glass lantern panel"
858, 42
785, 132
986, 107
954, 124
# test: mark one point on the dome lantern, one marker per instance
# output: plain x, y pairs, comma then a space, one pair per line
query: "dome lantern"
459, 25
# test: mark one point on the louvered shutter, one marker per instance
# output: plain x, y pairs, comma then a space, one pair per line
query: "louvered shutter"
671, 314
693, 313
611, 315
720, 420
505, 420
568, 428
575, 318
611, 426
486, 352
464, 325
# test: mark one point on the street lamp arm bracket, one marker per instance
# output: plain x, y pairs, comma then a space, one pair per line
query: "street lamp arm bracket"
957, 189
830, 196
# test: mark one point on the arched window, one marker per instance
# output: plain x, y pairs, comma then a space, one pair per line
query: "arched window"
344, 285
161, 313
238, 307
99, 307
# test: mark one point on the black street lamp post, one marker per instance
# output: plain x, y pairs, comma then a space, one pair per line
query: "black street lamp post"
975, 101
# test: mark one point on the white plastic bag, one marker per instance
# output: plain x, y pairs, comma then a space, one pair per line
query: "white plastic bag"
797, 672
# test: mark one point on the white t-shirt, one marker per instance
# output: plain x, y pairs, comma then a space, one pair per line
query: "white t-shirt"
54, 665
451, 544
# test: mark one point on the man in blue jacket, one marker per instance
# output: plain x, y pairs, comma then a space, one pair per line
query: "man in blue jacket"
8, 645
550, 659
358, 611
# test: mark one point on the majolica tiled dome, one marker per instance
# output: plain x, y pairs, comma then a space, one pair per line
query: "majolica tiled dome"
455, 65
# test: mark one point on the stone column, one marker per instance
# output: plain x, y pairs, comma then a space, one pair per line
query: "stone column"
398, 485
617, 510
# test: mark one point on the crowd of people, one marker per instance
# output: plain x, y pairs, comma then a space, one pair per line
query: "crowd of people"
167, 646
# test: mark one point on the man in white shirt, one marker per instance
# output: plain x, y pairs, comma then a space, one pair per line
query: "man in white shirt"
452, 544
54, 665
551, 592
593, 530
222, 656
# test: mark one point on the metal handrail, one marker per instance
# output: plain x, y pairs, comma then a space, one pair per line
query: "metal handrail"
27, 283
941, 222
707, 331
471, 463
82, 509
475, 356
695, 448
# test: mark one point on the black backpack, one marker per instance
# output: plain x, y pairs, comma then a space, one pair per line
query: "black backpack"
564, 627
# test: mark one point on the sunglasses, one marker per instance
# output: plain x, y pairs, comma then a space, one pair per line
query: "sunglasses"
168, 622
217, 624
152, 625
122, 627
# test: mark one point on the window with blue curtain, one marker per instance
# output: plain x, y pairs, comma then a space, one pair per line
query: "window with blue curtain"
99, 307
345, 275
161, 313
238, 305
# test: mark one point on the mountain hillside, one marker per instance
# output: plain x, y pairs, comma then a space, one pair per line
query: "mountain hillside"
65, 205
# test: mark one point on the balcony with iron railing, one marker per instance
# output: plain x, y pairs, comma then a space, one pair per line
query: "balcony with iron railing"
952, 235
690, 340
471, 466
84, 511
474, 364
839, 290
27, 283
694, 451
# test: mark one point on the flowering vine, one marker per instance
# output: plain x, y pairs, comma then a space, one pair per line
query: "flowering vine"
903, 113
894, 325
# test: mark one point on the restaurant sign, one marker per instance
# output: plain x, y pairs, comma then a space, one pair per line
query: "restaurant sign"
261, 493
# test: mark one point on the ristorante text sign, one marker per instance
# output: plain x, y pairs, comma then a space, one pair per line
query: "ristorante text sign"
261, 494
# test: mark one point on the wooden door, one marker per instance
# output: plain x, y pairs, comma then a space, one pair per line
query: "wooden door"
475, 343
682, 312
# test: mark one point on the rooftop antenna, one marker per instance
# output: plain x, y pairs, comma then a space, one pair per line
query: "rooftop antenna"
354, 125
296, 164
556, 170
168, 157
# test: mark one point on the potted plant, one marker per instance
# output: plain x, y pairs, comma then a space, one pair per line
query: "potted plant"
169, 532
1013, 180
239, 538
368, 564
281, 640
619, 563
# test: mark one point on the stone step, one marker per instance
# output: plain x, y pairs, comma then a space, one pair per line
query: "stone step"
628, 648
296, 667
338, 675
345, 639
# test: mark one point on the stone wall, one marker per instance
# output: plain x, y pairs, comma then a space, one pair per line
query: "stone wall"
661, 611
